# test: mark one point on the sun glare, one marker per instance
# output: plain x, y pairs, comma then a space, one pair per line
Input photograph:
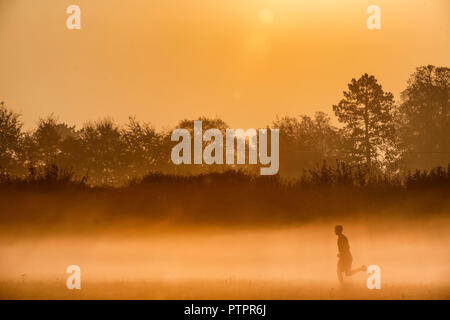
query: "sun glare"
266, 16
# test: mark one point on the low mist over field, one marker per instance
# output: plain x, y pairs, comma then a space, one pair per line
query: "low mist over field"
264, 263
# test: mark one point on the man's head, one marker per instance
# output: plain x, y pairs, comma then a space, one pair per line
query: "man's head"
338, 229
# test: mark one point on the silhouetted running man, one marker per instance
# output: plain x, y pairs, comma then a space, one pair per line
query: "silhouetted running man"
345, 257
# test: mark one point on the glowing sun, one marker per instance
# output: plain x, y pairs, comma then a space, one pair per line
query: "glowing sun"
266, 16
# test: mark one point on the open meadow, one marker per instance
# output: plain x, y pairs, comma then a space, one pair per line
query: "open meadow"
219, 263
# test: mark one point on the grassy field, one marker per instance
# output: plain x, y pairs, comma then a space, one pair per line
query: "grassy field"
214, 289
221, 263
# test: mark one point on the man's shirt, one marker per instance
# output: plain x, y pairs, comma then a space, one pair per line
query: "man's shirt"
343, 246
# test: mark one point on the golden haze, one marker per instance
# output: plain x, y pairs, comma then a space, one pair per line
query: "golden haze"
244, 61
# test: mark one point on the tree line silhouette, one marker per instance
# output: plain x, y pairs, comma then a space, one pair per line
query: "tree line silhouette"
232, 198
379, 140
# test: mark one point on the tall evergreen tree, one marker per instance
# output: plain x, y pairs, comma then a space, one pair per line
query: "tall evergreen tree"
368, 114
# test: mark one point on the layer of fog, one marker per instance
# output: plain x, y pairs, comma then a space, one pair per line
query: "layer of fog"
409, 253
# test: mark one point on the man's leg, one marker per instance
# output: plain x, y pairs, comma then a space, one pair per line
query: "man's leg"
340, 277
340, 272
355, 271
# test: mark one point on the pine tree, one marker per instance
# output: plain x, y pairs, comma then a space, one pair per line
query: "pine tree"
367, 112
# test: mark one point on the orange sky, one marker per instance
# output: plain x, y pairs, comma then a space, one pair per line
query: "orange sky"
164, 60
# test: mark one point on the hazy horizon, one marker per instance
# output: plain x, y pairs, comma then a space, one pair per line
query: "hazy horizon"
164, 62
